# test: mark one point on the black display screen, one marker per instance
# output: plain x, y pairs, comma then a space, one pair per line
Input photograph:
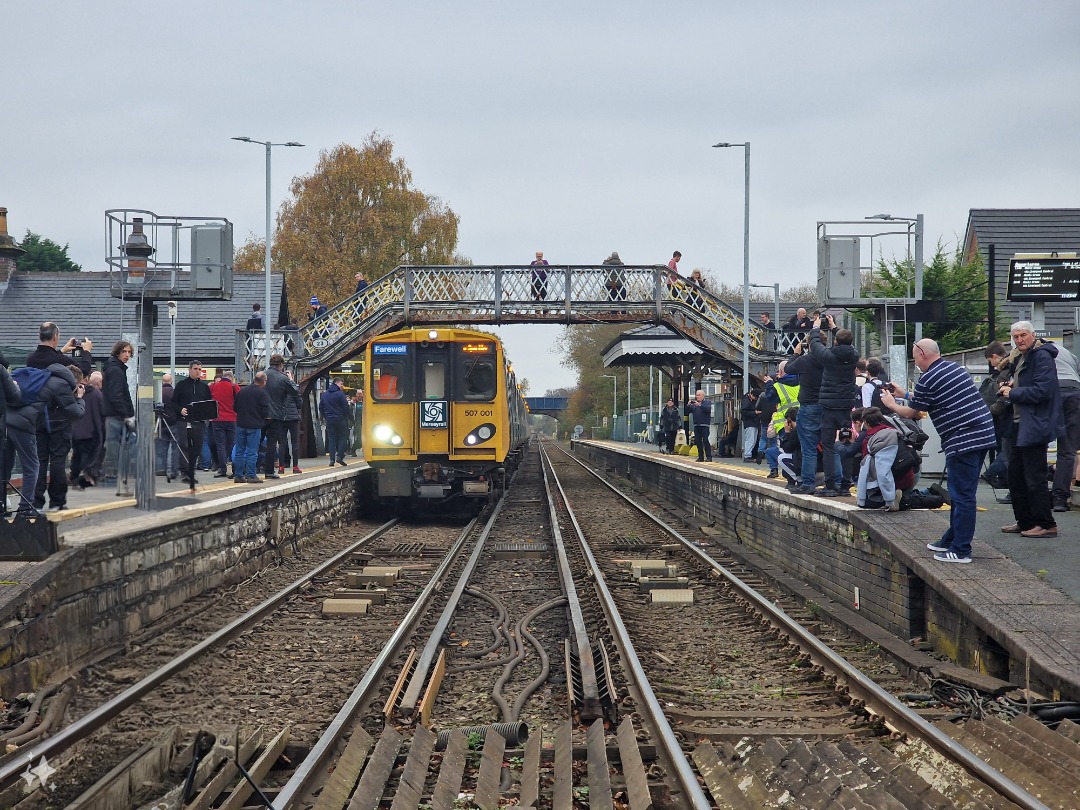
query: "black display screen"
1044, 279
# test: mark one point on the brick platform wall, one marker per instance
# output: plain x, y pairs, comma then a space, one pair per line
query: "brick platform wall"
89, 599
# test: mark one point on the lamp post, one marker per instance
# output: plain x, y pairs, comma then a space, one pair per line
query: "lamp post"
746, 264
172, 339
269, 236
614, 401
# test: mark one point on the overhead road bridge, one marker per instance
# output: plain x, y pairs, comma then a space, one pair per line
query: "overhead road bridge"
447, 295
548, 406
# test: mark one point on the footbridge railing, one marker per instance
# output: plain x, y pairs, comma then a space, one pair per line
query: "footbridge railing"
505, 294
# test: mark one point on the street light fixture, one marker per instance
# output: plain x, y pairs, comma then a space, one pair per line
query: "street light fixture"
614, 401
269, 235
746, 263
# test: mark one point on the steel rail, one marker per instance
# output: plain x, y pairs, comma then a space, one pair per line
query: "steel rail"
672, 749
318, 758
91, 722
418, 679
590, 703
861, 687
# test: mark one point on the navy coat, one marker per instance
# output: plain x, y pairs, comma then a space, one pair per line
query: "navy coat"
1037, 399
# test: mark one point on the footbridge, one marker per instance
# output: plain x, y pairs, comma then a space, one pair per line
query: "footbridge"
413, 295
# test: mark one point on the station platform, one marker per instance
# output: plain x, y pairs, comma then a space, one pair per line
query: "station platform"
1013, 613
119, 568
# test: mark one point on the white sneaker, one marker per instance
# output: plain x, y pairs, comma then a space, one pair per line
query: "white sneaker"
951, 557
940, 549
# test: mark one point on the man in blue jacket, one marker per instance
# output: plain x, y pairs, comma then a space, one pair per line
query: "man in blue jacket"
1036, 398
699, 410
836, 396
334, 406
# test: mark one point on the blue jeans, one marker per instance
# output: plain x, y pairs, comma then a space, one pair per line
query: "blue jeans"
808, 426
119, 450
963, 482
246, 452
23, 444
337, 438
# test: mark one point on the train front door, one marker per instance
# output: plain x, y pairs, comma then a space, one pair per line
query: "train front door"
433, 400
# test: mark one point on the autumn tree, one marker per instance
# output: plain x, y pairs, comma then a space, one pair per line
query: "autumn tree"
43, 255
251, 256
357, 211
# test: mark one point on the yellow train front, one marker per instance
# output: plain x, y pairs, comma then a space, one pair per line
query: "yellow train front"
443, 417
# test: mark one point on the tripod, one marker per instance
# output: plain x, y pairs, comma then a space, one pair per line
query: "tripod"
163, 432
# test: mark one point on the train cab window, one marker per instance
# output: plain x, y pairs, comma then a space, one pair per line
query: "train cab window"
478, 378
434, 380
386, 376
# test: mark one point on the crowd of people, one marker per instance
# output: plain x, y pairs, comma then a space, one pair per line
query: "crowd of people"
71, 425
828, 409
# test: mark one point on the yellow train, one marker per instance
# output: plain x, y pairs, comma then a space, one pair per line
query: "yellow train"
443, 416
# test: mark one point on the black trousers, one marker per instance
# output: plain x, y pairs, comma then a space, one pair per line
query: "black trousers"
84, 456
290, 437
191, 438
1027, 485
275, 441
701, 442
52, 450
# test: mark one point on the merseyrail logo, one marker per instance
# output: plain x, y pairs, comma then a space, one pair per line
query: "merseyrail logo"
433, 415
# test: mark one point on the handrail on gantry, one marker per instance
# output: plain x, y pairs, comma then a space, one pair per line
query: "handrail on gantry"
504, 294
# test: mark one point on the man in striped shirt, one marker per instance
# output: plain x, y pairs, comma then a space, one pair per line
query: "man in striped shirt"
963, 422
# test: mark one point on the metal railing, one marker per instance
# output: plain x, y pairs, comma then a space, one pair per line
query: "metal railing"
503, 294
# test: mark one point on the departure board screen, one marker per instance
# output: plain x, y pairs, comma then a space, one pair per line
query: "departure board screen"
1044, 279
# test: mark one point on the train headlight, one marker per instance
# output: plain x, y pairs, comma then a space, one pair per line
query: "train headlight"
385, 433
480, 434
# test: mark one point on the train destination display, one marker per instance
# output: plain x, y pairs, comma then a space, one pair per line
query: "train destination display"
1056, 279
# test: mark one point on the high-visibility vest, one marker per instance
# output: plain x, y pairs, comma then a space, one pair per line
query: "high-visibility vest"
788, 396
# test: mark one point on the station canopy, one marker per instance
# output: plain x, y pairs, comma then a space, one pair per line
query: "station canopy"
663, 347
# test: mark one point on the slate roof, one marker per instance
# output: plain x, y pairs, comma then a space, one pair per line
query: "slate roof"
1024, 230
82, 306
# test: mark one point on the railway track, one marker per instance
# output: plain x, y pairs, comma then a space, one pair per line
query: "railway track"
550, 658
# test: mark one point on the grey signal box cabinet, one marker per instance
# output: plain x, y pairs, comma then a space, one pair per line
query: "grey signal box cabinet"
838, 268
212, 257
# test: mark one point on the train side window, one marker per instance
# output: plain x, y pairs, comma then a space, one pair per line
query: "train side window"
386, 376
434, 380
479, 378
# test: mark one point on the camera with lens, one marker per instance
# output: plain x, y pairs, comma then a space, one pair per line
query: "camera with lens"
77, 350
845, 434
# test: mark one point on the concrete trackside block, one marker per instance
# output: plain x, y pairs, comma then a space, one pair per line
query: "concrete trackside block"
672, 596
345, 607
654, 568
373, 575
667, 583
377, 596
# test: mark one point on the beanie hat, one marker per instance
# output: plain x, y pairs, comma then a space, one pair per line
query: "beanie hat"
314, 300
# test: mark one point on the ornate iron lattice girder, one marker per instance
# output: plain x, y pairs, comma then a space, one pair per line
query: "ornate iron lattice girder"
503, 294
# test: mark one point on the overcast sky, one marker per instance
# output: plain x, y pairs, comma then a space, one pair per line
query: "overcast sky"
576, 128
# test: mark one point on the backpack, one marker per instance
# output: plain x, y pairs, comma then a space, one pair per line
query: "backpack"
912, 439
910, 433
31, 381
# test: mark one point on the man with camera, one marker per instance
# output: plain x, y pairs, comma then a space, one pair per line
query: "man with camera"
836, 397
47, 353
963, 422
1035, 395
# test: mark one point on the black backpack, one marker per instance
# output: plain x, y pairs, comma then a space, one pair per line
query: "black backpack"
912, 439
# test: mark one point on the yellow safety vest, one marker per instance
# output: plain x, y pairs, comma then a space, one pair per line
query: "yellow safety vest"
788, 395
